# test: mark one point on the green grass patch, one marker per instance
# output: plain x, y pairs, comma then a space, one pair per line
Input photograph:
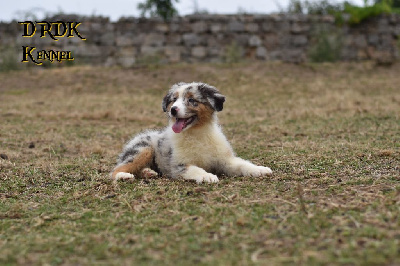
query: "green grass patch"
330, 136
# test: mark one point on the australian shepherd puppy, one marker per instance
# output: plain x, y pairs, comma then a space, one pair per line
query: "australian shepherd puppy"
192, 147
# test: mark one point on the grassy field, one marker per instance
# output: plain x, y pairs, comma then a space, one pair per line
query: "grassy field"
331, 134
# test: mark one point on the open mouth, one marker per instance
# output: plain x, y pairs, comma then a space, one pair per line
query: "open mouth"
181, 123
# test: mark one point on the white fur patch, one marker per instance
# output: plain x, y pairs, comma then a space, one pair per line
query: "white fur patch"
199, 175
181, 107
236, 166
256, 171
180, 101
124, 176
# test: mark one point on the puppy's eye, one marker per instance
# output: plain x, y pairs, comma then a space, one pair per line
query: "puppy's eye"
174, 99
192, 101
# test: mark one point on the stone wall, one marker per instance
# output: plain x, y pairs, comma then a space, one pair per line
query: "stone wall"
212, 38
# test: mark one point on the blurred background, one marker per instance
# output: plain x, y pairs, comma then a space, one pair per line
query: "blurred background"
125, 8
152, 32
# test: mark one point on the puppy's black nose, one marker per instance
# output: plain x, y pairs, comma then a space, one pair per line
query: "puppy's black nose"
174, 110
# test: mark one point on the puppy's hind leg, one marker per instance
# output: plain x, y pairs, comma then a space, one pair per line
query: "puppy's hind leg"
133, 166
148, 173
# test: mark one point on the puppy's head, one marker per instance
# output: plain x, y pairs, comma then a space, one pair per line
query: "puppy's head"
191, 105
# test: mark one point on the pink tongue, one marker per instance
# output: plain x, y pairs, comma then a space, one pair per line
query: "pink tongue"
178, 126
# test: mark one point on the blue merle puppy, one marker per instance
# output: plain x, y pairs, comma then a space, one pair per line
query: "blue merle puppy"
192, 147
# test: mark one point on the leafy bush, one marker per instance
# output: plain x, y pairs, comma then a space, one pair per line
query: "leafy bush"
9, 60
394, 3
327, 45
356, 14
163, 8
233, 53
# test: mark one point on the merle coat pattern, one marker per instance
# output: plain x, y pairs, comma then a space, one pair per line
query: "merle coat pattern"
191, 147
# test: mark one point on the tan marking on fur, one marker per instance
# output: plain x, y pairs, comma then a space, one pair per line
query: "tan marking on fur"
142, 160
189, 94
204, 114
169, 106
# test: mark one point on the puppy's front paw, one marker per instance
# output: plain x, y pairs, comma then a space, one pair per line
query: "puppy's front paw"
124, 176
207, 177
264, 171
257, 171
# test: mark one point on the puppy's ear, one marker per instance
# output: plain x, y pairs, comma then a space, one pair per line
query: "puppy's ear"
213, 96
166, 101
219, 100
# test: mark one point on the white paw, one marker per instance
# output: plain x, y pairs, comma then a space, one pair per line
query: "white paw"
124, 176
257, 171
207, 177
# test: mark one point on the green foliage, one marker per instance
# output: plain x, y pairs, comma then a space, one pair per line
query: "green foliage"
233, 53
355, 13
358, 14
327, 45
162, 8
9, 60
394, 3
295, 7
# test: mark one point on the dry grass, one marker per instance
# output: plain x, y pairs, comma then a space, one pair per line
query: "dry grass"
330, 133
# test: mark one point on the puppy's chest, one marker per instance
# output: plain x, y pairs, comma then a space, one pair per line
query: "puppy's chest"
200, 150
